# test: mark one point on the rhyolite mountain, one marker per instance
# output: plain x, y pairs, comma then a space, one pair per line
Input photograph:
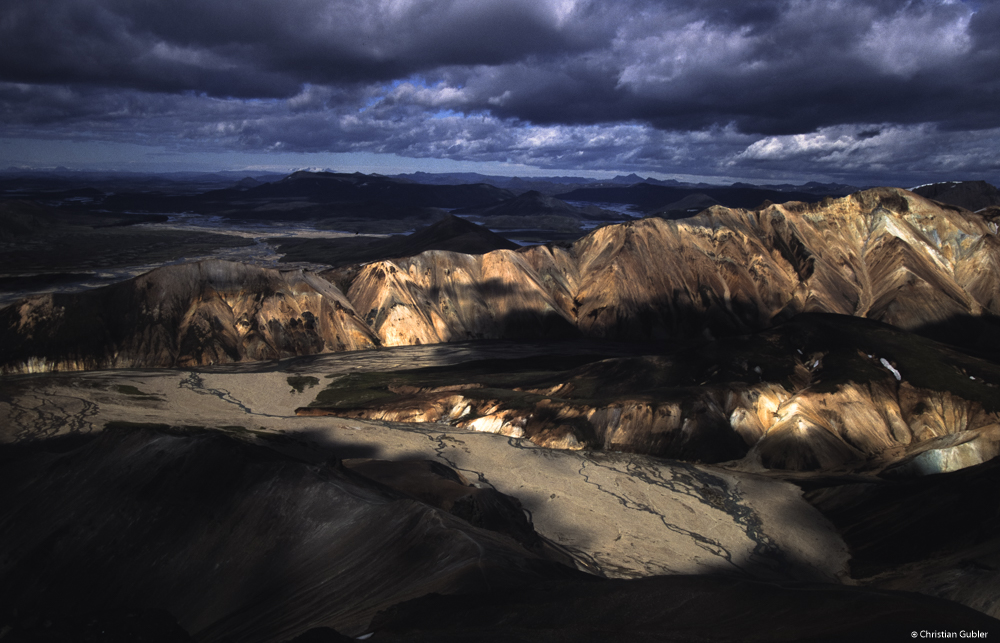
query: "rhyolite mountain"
884, 254
816, 393
190, 314
814, 449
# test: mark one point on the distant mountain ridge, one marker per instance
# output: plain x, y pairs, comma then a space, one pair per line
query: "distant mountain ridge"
322, 188
534, 203
449, 233
551, 185
648, 197
240, 195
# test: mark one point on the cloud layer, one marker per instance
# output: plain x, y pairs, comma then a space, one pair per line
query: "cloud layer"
883, 90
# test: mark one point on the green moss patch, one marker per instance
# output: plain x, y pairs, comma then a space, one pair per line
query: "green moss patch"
355, 390
495, 377
300, 383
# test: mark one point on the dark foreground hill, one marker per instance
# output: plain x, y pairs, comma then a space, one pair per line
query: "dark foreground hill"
234, 540
238, 542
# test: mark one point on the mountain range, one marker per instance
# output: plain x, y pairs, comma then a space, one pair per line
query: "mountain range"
884, 254
776, 421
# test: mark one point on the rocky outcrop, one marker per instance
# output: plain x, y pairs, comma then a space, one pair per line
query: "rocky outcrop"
192, 314
820, 392
440, 296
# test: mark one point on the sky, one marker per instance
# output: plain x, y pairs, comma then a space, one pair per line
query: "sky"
891, 92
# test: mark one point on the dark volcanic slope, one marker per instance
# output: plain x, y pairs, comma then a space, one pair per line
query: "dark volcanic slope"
235, 541
240, 543
971, 195
686, 207
938, 535
35, 239
331, 187
208, 312
20, 218
676, 609
450, 233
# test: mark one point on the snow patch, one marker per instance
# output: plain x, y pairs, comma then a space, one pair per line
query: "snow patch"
885, 362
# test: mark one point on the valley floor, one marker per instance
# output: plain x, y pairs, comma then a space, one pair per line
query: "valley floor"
621, 515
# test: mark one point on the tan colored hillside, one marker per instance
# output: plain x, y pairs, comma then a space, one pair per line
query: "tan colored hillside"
885, 254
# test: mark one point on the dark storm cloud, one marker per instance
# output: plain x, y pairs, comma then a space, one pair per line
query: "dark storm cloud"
806, 66
689, 85
254, 48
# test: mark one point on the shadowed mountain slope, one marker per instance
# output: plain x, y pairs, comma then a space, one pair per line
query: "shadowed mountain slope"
675, 609
936, 535
685, 207
533, 203
19, 218
330, 186
240, 543
40, 244
234, 540
317, 188
971, 195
